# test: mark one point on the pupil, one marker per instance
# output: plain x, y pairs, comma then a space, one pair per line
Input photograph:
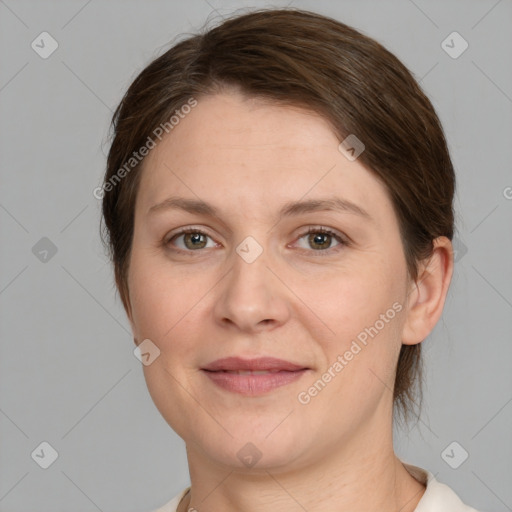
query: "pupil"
319, 239
193, 240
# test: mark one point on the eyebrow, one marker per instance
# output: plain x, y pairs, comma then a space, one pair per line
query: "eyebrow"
289, 209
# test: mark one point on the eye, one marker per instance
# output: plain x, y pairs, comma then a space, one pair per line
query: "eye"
192, 239
320, 239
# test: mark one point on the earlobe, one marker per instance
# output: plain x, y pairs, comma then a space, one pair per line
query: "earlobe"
427, 295
132, 326
125, 299
129, 315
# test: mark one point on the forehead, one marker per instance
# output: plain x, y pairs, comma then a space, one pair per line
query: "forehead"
255, 154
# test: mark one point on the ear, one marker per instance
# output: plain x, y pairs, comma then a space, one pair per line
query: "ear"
426, 296
125, 299
132, 326
134, 334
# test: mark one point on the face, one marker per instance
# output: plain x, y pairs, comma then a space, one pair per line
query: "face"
309, 294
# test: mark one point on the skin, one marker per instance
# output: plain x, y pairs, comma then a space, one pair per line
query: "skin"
297, 301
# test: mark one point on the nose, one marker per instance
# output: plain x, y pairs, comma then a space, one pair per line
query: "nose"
251, 298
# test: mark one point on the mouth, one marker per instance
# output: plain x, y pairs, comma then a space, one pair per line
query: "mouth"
253, 376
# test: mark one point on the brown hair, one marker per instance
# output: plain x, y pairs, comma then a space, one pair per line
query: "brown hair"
299, 58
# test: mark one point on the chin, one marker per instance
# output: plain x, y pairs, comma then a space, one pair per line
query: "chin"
250, 450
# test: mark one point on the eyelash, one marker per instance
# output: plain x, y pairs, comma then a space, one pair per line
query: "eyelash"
325, 252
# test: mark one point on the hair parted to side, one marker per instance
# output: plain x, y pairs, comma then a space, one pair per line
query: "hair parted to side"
304, 59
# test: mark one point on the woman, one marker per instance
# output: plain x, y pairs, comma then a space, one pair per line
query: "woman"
278, 207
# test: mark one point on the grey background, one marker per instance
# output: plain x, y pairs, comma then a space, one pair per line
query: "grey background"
68, 375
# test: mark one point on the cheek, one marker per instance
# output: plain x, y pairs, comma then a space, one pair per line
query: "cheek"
169, 306
362, 314
158, 300
348, 300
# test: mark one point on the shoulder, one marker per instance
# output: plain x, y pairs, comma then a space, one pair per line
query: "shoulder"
172, 505
438, 497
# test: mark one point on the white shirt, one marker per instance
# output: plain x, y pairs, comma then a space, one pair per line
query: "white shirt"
437, 497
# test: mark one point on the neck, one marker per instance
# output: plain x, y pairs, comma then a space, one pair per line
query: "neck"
361, 475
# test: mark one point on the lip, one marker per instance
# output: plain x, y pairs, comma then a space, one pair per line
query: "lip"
271, 373
256, 364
